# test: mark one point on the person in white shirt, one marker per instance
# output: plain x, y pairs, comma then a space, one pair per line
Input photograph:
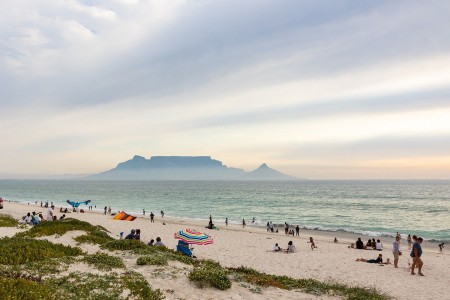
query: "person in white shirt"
277, 248
396, 250
27, 218
379, 246
50, 213
291, 247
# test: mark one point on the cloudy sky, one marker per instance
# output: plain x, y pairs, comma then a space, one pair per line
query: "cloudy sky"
316, 89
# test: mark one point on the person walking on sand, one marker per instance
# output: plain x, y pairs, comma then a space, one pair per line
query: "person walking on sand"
109, 210
396, 250
152, 217
416, 254
162, 214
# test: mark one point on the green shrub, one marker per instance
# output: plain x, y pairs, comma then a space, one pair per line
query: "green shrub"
209, 273
139, 287
19, 288
310, 286
59, 227
166, 252
15, 251
159, 260
7, 221
87, 286
124, 245
94, 237
103, 261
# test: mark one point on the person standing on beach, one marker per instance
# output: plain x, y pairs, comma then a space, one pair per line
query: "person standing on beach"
143, 211
106, 208
50, 213
152, 217
409, 241
162, 214
416, 254
243, 223
226, 221
297, 230
396, 250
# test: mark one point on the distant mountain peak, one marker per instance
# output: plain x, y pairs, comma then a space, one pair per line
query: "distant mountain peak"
185, 168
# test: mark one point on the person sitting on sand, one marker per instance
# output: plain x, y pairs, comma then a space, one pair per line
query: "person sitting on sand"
335, 240
378, 260
62, 217
151, 242
137, 236
27, 219
374, 244
291, 247
369, 245
131, 235
313, 245
379, 246
277, 248
158, 242
359, 244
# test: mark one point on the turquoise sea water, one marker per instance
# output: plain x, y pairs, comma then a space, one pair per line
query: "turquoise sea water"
379, 208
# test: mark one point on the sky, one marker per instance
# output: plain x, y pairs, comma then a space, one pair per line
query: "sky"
315, 89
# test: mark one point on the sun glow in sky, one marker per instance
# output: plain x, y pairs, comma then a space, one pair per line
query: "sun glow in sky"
316, 89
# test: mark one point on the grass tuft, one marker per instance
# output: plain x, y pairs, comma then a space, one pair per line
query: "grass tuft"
103, 261
7, 221
209, 273
59, 227
15, 251
139, 287
94, 237
310, 286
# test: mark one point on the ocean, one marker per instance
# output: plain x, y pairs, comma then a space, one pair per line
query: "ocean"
374, 208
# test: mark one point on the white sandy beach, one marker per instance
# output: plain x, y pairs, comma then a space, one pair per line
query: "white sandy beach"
251, 247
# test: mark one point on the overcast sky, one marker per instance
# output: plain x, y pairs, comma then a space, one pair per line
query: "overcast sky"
315, 89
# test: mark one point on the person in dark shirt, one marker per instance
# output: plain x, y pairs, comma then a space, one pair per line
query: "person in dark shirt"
359, 244
378, 260
416, 254
131, 235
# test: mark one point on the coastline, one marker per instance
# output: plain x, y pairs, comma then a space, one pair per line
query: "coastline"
251, 247
340, 234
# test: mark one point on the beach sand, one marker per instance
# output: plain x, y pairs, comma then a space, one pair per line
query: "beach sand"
235, 246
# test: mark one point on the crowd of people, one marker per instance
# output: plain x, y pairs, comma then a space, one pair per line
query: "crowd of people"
34, 218
414, 244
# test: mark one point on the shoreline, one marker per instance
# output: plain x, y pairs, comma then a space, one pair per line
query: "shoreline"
340, 234
252, 246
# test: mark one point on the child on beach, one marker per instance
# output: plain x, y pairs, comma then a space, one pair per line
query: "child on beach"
277, 248
313, 245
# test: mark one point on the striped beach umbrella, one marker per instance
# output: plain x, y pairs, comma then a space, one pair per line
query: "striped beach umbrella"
192, 236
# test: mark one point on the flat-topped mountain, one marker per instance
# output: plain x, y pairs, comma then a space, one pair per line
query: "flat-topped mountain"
184, 168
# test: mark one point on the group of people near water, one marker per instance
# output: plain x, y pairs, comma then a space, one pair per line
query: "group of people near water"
36, 218
414, 244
